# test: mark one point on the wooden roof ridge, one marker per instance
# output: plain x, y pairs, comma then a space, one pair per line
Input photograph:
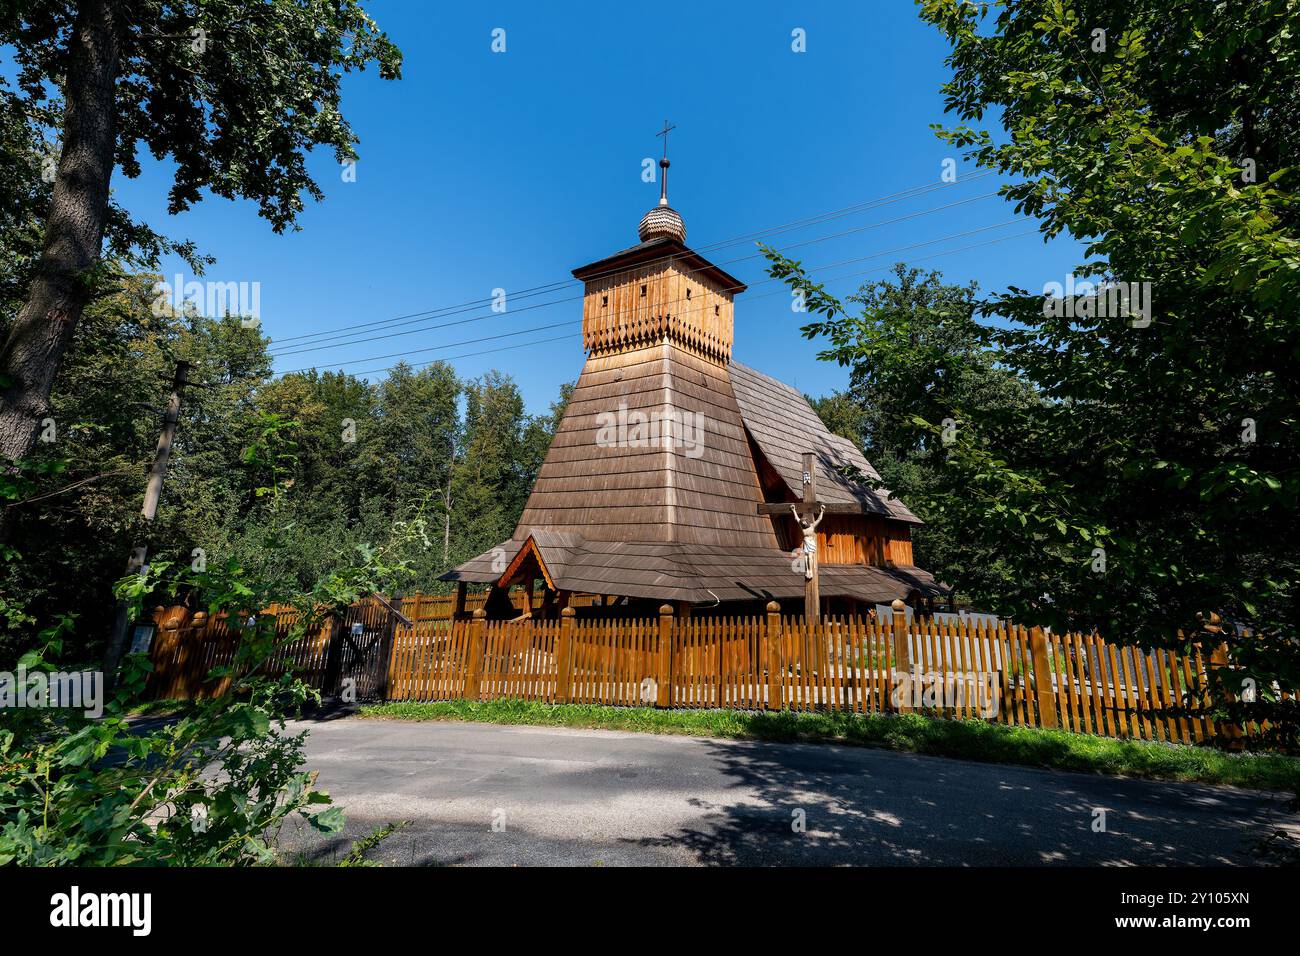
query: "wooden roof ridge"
529, 547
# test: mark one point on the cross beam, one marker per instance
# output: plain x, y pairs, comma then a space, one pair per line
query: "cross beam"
664, 133
663, 165
832, 508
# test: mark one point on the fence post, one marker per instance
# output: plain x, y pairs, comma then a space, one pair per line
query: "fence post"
773, 700
329, 683
1232, 732
1043, 679
163, 653
563, 655
385, 656
474, 654
902, 673
188, 646
665, 696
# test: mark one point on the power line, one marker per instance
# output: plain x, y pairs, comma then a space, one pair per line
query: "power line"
335, 343
935, 255
779, 229
543, 328
433, 348
452, 358
911, 193
431, 313
558, 338
428, 328
918, 245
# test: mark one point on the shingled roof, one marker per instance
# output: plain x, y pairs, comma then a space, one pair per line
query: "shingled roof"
655, 524
629, 491
785, 426
659, 251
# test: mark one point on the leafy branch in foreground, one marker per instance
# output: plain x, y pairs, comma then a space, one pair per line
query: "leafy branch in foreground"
213, 787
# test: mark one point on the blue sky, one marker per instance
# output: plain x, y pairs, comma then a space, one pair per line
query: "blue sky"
483, 170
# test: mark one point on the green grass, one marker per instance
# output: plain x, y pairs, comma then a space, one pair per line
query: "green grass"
910, 733
165, 707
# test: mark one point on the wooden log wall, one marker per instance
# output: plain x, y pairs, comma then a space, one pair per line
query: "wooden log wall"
646, 304
854, 539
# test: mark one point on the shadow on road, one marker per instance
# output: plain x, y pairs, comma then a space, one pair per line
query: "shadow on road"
586, 798
816, 806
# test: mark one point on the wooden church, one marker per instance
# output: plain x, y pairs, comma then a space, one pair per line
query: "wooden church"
672, 476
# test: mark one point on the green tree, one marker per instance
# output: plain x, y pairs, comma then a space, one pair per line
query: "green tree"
212, 788
337, 416
74, 524
1157, 480
235, 94
417, 438
916, 351
488, 489
537, 436
415, 432
74, 511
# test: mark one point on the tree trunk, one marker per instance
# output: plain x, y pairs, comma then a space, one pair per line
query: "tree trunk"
74, 230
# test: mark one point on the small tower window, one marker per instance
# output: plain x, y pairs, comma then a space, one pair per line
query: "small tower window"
688, 293
604, 300
717, 310
643, 291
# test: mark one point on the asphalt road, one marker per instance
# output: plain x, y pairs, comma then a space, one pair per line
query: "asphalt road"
479, 794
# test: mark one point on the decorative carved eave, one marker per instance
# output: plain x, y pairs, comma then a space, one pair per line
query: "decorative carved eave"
528, 550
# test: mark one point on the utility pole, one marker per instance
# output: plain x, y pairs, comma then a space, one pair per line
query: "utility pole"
152, 492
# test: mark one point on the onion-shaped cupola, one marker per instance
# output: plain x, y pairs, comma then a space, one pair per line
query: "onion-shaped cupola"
663, 221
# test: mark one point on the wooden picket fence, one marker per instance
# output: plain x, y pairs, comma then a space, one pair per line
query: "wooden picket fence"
411, 650
188, 645
1008, 674
188, 648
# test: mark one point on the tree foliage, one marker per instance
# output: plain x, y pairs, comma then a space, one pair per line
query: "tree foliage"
213, 787
234, 95
1153, 481
285, 476
915, 351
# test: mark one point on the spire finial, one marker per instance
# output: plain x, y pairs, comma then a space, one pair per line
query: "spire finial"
662, 221
663, 165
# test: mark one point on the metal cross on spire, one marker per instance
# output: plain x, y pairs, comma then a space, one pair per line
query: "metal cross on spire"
663, 165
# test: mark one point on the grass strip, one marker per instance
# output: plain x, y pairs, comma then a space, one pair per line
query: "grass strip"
908, 733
